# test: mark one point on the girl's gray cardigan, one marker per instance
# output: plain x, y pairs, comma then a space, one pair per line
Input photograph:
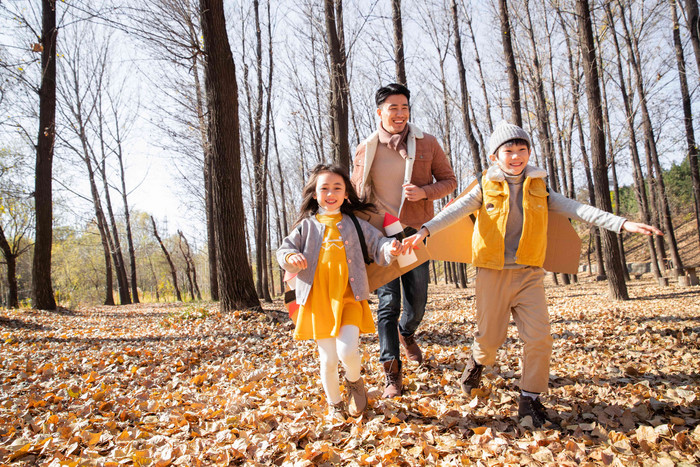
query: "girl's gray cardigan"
306, 238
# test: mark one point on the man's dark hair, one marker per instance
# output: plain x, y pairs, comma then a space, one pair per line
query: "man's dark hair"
390, 90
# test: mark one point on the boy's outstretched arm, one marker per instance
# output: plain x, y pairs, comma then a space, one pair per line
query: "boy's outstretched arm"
638, 227
414, 241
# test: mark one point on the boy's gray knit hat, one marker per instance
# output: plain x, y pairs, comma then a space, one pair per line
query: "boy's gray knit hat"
505, 132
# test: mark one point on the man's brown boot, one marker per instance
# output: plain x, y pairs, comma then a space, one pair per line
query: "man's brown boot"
410, 345
394, 383
357, 397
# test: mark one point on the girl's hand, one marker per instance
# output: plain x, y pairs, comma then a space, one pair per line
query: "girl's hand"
396, 248
413, 242
298, 260
638, 227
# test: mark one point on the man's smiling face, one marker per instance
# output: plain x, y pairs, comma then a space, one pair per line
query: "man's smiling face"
394, 113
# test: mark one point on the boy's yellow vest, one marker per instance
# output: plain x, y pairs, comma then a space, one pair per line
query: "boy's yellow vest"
488, 244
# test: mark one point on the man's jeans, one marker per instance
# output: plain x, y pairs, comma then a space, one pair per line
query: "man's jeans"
415, 296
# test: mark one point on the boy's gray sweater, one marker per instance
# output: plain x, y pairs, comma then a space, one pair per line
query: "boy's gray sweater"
558, 203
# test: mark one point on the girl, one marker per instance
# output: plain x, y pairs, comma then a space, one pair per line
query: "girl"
331, 285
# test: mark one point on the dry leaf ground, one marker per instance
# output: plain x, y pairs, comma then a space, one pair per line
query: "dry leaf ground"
172, 384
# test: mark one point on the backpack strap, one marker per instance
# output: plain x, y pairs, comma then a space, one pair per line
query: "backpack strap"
361, 236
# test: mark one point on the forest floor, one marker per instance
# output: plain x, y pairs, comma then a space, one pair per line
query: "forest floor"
183, 384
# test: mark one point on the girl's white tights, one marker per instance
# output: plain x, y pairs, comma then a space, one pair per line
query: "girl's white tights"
344, 348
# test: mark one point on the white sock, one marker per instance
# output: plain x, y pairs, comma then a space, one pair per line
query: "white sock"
531, 395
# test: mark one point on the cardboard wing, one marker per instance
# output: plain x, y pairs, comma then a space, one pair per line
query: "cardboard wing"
563, 243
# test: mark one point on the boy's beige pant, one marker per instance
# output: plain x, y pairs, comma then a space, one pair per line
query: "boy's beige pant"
520, 292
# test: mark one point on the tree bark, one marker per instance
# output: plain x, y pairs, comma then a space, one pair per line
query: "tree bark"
482, 81
466, 120
127, 221
260, 170
11, 264
208, 192
122, 282
236, 287
640, 190
173, 271
541, 107
339, 81
611, 255
42, 291
691, 10
511, 67
650, 143
687, 114
398, 42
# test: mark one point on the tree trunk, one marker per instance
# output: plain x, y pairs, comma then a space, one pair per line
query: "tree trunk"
610, 150
691, 11
173, 271
339, 81
155, 279
640, 190
188, 267
611, 255
466, 120
236, 287
563, 185
11, 262
687, 114
208, 193
42, 291
398, 42
127, 221
511, 67
482, 81
122, 282
575, 85
650, 143
545, 138
260, 170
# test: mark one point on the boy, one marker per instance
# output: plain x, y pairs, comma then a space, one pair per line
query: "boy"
508, 249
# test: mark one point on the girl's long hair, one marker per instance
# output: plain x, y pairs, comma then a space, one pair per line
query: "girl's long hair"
309, 204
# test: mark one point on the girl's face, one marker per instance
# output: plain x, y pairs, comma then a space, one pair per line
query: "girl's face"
330, 191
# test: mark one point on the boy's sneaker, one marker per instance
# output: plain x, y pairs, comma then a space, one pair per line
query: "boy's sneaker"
535, 410
471, 378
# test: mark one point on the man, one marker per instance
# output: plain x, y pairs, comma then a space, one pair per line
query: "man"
402, 170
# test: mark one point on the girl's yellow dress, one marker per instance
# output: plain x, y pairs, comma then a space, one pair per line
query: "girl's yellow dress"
331, 303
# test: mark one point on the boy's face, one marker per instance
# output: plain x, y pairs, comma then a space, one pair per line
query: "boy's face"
512, 158
394, 113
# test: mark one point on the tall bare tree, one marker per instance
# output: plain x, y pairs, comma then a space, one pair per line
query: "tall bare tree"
479, 164
236, 287
650, 143
173, 271
611, 254
640, 190
687, 113
42, 290
541, 105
